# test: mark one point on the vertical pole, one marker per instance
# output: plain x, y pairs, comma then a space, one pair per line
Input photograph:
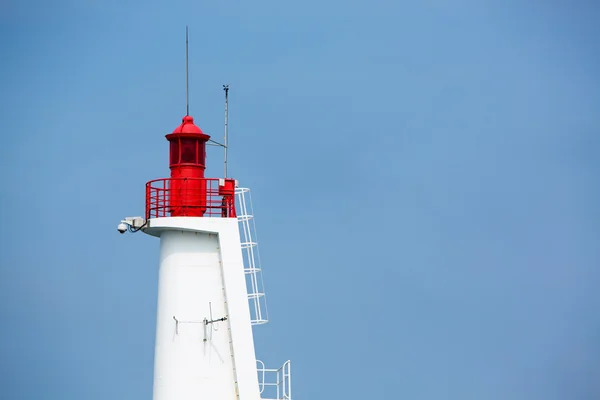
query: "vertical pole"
226, 89
187, 80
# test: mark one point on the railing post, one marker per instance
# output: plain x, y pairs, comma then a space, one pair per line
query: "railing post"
147, 200
166, 201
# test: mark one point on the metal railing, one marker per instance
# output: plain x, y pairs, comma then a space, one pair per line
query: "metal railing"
190, 197
275, 384
254, 282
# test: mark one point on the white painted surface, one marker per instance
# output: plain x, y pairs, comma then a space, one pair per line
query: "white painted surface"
201, 263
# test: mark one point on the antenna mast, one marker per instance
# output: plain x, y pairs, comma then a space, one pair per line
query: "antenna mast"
187, 101
187, 80
226, 89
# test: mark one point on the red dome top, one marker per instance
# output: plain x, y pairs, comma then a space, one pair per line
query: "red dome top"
189, 129
188, 126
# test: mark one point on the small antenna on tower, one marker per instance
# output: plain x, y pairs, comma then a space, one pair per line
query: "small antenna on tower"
226, 89
187, 80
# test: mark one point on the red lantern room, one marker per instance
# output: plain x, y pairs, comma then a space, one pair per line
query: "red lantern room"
187, 163
187, 193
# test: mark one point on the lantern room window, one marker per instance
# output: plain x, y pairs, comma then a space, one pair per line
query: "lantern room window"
174, 152
189, 151
201, 154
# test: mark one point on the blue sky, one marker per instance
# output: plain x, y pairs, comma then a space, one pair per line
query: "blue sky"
424, 176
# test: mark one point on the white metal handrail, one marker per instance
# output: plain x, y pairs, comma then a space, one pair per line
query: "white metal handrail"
275, 384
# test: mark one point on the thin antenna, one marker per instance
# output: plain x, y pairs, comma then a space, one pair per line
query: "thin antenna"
226, 89
187, 79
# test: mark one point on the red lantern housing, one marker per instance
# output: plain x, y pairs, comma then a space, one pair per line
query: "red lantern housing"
188, 191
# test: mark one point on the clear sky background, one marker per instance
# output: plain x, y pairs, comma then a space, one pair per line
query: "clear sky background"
424, 176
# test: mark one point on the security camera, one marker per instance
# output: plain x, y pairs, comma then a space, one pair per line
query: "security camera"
122, 228
131, 224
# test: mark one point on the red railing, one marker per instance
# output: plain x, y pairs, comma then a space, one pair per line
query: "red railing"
190, 197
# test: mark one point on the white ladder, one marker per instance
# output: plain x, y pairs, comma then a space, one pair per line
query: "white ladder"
254, 281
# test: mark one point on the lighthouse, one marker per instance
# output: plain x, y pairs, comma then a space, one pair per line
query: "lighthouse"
210, 293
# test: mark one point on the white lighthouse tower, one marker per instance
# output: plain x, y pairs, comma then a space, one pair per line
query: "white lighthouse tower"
210, 288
